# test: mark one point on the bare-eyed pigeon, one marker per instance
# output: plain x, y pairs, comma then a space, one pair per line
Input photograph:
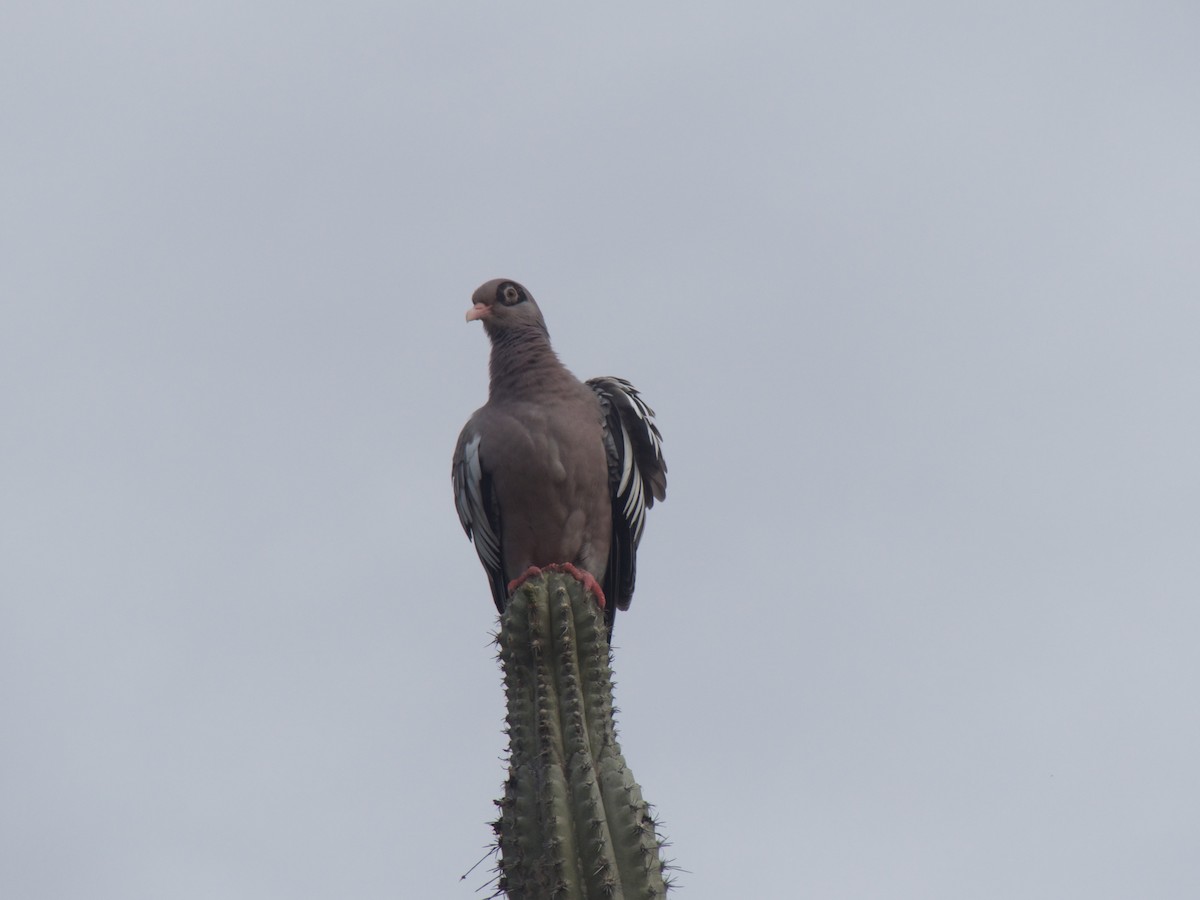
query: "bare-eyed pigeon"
553, 471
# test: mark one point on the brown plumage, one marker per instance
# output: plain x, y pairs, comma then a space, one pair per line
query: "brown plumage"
552, 470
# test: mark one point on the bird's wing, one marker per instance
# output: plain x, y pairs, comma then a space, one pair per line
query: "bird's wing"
637, 476
478, 511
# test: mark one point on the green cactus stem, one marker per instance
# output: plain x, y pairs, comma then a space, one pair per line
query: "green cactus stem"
573, 824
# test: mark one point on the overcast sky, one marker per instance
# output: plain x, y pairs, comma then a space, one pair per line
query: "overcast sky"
915, 291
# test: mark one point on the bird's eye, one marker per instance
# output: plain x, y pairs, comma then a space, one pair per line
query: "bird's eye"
511, 294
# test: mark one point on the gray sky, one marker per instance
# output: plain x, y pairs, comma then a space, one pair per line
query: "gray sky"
915, 291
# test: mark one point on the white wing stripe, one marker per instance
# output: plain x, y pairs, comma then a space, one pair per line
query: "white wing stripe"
626, 412
486, 542
630, 465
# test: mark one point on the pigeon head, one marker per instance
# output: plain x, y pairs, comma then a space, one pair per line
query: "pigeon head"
504, 307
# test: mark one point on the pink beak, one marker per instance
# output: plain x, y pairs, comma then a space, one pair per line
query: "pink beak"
478, 311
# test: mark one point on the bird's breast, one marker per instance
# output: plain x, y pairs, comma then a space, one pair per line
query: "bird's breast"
553, 488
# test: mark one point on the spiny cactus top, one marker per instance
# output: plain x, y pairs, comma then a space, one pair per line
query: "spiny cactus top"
573, 822
552, 470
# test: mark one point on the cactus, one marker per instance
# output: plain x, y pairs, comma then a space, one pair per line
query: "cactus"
573, 824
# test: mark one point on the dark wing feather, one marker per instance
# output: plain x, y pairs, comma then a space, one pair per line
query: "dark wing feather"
637, 476
478, 511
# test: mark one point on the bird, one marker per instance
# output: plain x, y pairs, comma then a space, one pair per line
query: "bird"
553, 472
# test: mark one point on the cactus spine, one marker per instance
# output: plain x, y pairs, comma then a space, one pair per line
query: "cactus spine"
573, 824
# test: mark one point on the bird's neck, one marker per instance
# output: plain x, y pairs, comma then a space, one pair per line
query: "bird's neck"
520, 362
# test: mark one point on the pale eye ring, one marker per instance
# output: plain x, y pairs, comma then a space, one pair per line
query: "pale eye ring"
510, 295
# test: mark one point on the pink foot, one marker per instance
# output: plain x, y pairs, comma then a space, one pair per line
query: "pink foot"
585, 578
531, 572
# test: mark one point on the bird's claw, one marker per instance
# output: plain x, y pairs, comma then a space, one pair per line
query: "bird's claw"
585, 578
531, 572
